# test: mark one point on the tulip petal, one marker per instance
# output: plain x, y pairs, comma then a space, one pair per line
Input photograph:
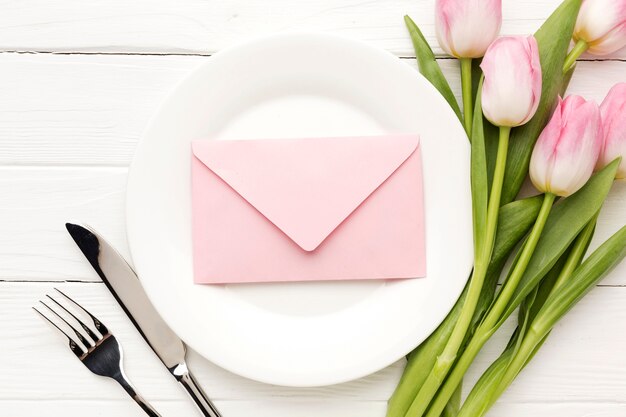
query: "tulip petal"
613, 110
542, 158
602, 24
578, 149
512, 86
442, 24
611, 42
568, 148
535, 75
466, 28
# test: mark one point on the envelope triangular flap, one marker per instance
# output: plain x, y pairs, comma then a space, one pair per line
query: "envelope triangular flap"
306, 187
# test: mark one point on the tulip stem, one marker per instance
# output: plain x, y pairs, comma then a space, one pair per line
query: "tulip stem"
532, 340
493, 207
493, 318
466, 86
519, 268
576, 255
578, 49
446, 359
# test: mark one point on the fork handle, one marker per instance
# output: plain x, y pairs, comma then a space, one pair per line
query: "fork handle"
145, 406
199, 397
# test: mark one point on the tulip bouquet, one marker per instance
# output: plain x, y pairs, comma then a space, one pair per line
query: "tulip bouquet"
519, 125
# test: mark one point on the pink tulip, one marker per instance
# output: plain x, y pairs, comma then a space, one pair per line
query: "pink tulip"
602, 25
512, 85
568, 148
466, 28
613, 110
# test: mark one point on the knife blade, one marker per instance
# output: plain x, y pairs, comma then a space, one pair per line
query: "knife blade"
122, 281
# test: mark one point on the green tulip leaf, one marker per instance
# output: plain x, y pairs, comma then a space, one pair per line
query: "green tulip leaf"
514, 221
492, 134
477, 74
484, 392
479, 182
452, 408
541, 310
553, 38
566, 220
429, 67
583, 280
477, 402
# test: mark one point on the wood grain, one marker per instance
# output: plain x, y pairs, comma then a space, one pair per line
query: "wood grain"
72, 109
37, 201
575, 365
91, 110
203, 27
291, 408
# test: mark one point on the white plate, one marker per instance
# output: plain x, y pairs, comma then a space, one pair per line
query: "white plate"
298, 85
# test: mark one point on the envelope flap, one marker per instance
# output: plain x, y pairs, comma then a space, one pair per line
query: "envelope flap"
306, 187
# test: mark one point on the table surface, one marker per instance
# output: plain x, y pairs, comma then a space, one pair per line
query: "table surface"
79, 81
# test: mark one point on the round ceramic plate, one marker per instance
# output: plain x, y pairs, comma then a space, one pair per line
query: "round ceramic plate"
299, 85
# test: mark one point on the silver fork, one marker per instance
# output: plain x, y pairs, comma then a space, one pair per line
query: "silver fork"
98, 350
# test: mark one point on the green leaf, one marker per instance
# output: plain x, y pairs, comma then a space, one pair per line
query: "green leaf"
537, 298
548, 283
533, 303
567, 77
479, 182
566, 220
477, 402
515, 220
553, 38
491, 134
584, 279
477, 74
452, 408
429, 67
484, 393
558, 303
571, 259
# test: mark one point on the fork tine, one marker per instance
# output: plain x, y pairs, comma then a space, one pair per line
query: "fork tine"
97, 323
87, 343
87, 330
75, 347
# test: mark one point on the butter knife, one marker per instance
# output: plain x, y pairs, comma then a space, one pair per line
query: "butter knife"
123, 283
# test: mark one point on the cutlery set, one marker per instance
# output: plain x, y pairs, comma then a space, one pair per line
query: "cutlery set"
94, 345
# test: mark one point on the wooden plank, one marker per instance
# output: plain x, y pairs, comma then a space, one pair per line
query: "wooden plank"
556, 409
52, 371
37, 201
34, 208
291, 408
189, 26
61, 110
582, 362
266, 408
91, 110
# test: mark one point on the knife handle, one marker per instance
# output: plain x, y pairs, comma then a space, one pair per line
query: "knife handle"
199, 397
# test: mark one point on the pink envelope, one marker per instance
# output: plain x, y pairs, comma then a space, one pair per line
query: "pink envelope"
310, 209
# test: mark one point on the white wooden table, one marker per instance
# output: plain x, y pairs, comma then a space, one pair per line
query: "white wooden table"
79, 81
